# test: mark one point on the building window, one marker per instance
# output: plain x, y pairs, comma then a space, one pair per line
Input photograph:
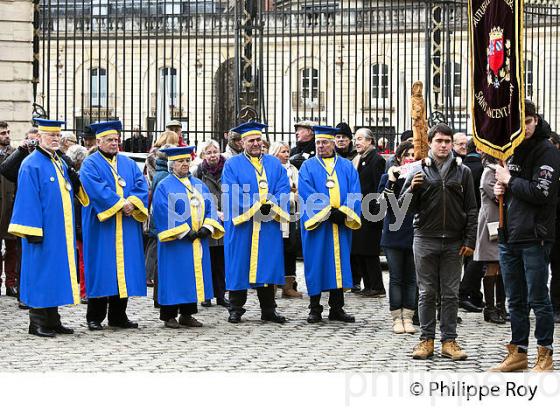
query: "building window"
98, 87
379, 81
529, 78
99, 9
310, 84
168, 85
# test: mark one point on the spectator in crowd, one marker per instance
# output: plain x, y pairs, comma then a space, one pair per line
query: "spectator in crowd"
10, 258
88, 138
470, 297
333, 185
405, 136
166, 138
486, 251
265, 146
253, 247
444, 231
176, 127
234, 144
555, 251
10, 167
460, 142
343, 142
68, 139
77, 154
366, 239
210, 173
184, 238
530, 186
305, 143
383, 146
281, 150
137, 142
397, 246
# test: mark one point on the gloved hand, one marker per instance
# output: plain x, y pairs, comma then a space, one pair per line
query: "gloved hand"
265, 209
337, 217
191, 236
204, 232
34, 239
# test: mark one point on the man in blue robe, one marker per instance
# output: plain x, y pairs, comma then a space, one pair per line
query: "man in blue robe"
112, 229
43, 217
258, 194
329, 187
185, 218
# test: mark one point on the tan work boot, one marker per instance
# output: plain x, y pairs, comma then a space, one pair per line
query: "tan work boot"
544, 360
288, 289
398, 327
451, 349
513, 362
407, 315
424, 349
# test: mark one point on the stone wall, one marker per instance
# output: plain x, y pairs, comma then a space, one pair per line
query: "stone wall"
16, 56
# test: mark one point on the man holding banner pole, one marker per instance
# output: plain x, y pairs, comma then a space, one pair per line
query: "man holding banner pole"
504, 124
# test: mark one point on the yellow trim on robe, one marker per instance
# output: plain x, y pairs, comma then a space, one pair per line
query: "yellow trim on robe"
337, 264
103, 216
247, 215
171, 234
281, 215
82, 196
140, 213
104, 133
353, 221
69, 233
254, 252
219, 230
316, 220
22, 230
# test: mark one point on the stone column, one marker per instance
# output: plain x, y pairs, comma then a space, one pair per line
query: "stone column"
16, 72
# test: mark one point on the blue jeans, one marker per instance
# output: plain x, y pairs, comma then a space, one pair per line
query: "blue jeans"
525, 273
402, 278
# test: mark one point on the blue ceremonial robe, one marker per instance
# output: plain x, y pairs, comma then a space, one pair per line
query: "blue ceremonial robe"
113, 244
44, 207
184, 270
326, 246
253, 246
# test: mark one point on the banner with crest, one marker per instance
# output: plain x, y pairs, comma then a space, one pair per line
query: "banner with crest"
498, 102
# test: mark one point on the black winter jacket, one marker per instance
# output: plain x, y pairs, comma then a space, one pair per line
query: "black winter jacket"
301, 152
532, 191
444, 209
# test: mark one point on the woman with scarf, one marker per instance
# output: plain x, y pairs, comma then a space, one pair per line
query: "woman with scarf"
209, 171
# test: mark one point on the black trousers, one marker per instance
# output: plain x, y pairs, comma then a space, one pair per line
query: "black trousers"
97, 309
238, 298
555, 276
218, 271
367, 268
45, 317
336, 301
289, 263
167, 312
472, 280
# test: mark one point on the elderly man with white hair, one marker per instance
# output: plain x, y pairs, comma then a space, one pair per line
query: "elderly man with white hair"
330, 189
112, 229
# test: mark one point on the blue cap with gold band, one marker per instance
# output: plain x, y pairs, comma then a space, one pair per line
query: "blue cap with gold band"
250, 128
176, 153
45, 125
325, 132
101, 129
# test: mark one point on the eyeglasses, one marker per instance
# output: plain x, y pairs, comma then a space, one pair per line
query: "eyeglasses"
5, 132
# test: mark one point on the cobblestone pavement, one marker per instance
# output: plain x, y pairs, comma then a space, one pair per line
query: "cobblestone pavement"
367, 345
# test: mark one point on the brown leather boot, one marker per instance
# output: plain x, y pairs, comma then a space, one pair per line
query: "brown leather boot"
544, 360
288, 289
513, 362
424, 349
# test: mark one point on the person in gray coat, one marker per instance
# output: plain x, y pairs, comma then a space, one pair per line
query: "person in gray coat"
487, 245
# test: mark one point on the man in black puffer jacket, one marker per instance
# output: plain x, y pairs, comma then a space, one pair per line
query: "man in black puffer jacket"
530, 185
445, 209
